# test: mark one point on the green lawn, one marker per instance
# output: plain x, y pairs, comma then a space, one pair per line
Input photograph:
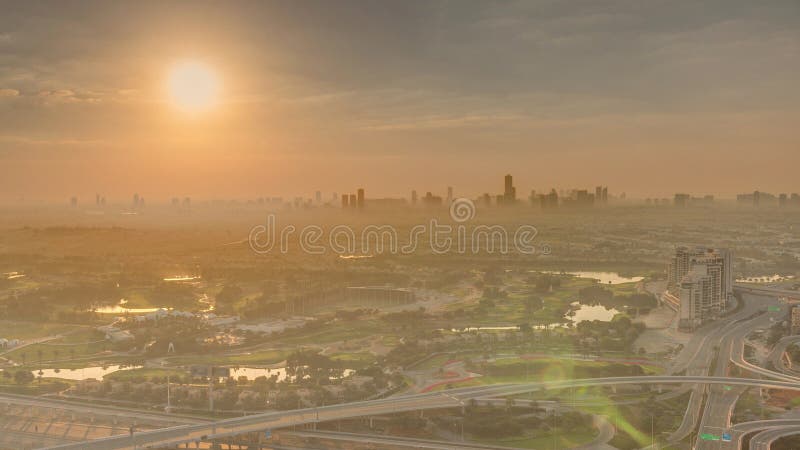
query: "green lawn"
563, 439
76, 345
354, 360
38, 387
32, 330
263, 357
544, 369
144, 373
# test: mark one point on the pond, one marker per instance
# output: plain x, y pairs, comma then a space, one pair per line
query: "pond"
182, 278
577, 314
98, 372
85, 373
589, 312
254, 372
602, 277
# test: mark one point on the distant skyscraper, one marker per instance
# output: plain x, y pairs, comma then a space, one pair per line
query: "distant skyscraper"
413, 198
318, 197
345, 202
360, 197
135, 201
449, 194
73, 202
509, 191
97, 199
598, 194
682, 200
353, 200
549, 201
431, 200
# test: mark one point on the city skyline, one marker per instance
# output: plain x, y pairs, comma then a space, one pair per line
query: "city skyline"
653, 100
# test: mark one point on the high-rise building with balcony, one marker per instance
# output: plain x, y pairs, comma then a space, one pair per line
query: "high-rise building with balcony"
702, 279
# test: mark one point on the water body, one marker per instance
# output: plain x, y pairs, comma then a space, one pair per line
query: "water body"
254, 372
96, 372
602, 277
589, 312
121, 309
576, 315
182, 278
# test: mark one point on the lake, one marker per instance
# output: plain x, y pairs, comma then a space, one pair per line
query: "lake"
602, 277
98, 372
591, 312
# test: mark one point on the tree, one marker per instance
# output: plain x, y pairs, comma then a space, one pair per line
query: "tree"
23, 377
227, 297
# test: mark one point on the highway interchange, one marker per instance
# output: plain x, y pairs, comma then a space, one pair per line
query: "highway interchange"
703, 367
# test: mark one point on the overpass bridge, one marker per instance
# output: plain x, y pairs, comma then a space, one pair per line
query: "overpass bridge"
453, 398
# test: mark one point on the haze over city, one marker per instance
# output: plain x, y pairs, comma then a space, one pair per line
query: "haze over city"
391, 224
394, 96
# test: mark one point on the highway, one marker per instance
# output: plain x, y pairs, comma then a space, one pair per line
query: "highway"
722, 400
433, 400
98, 410
741, 429
723, 340
696, 359
764, 439
375, 439
778, 355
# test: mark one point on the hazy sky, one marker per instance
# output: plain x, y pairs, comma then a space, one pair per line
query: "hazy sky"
648, 97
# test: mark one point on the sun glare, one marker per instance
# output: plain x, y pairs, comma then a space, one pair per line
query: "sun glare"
193, 86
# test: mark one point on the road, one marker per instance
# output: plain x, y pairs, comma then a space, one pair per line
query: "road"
763, 440
778, 358
741, 429
375, 439
97, 410
697, 356
433, 400
721, 400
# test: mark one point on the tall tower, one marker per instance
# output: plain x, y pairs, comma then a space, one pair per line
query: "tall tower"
413, 198
449, 194
509, 191
360, 197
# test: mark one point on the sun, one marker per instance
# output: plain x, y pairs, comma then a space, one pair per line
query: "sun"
193, 86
